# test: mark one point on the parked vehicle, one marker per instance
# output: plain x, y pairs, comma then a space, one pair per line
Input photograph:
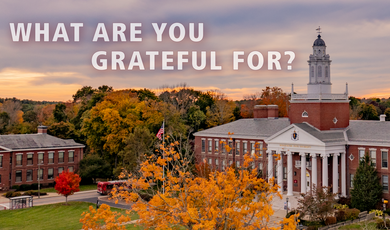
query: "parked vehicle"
106, 187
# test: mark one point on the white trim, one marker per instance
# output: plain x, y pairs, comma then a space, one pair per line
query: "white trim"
384, 150
372, 149
18, 153
358, 143
42, 149
361, 148
5, 148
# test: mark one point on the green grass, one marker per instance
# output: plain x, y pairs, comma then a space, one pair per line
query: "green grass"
361, 225
82, 188
53, 216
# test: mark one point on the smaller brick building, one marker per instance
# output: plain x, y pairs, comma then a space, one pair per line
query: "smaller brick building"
21, 156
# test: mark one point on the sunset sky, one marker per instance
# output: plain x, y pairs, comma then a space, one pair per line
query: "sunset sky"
356, 32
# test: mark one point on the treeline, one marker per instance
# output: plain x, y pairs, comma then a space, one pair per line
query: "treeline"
369, 109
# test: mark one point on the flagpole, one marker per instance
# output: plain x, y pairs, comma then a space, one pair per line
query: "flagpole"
163, 156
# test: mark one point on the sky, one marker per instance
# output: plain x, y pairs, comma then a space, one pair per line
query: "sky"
356, 33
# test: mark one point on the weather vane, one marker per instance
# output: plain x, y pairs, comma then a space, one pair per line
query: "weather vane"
319, 30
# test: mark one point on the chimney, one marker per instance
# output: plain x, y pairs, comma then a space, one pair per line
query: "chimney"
42, 129
273, 111
260, 111
266, 111
382, 117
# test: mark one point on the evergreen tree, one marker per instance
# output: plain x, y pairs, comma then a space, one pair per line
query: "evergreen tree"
367, 189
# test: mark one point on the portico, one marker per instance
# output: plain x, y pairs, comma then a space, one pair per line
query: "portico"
310, 157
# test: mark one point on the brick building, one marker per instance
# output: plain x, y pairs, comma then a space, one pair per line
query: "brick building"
20, 155
318, 143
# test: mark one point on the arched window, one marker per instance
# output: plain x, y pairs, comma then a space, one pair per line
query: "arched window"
319, 74
326, 71
305, 114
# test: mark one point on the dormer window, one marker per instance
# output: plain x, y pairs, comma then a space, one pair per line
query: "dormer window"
305, 114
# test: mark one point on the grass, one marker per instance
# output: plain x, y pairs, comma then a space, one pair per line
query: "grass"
82, 188
53, 216
361, 225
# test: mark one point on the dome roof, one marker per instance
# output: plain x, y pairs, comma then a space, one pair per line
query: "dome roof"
319, 41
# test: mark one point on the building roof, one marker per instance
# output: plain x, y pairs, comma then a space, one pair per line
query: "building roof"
35, 141
324, 136
248, 128
376, 132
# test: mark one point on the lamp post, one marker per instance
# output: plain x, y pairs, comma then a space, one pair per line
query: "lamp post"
384, 209
287, 205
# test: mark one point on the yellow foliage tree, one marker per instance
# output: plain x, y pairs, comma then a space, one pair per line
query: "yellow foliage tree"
103, 218
232, 199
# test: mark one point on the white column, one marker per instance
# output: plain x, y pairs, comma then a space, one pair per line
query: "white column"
270, 165
335, 173
343, 176
325, 170
303, 172
313, 169
280, 173
289, 174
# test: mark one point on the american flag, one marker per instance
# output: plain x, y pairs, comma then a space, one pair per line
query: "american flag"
160, 132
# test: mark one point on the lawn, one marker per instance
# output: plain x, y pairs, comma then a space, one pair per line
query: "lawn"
53, 216
82, 188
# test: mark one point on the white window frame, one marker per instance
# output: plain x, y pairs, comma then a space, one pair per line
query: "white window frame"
230, 144
253, 148
244, 147
387, 160
70, 167
238, 148
203, 145
16, 160
32, 175
373, 159
1, 161
209, 146
216, 146
43, 157
71, 151
48, 157
30, 153
48, 174
387, 183
223, 146
360, 150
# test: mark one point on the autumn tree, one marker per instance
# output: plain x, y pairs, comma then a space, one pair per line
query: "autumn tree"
97, 219
67, 183
368, 112
276, 96
14, 111
225, 200
93, 166
220, 113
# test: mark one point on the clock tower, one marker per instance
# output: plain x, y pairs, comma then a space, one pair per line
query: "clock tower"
319, 106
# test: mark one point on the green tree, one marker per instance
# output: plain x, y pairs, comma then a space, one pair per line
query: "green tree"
368, 112
367, 189
93, 166
4, 121
59, 112
64, 130
387, 113
30, 116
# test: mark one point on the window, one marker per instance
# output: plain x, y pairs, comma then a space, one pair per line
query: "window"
70, 169
209, 146
51, 158
326, 71
237, 164
19, 158
384, 159
238, 148
50, 174
351, 180
1, 161
361, 154
29, 175
260, 166
71, 156
223, 164
18, 176
253, 149
210, 161
261, 148
203, 145
385, 183
319, 73
373, 157
40, 174
30, 159
245, 147
305, 114
223, 147
230, 163
60, 157
40, 158
284, 173
216, 163
230, 147
216, 145
60, 170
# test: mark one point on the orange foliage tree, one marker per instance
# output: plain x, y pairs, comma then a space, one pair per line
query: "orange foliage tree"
230, 199
276, 96
67, 183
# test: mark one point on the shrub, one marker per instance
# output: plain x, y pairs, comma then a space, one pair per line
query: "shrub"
340, 215
330, 220
352, 214
12, 194
15, 187
24, 187
345, 200
377, 212
29, 193
34, 186
340, 206
380, 224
